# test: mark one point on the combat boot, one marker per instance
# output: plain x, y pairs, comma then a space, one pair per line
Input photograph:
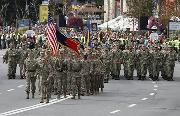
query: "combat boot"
73, 97
47, 101
79, 97
58, 96
139, 77
27, 95
33, 95
55, 91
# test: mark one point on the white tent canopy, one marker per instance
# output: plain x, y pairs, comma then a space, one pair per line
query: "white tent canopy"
120, 23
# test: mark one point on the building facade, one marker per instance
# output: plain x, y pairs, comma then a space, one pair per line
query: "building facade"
114, 8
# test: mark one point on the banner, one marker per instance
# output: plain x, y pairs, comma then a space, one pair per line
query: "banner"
23, 25
43, 13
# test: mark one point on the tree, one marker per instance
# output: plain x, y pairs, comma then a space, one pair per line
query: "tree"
137, 8
169, 9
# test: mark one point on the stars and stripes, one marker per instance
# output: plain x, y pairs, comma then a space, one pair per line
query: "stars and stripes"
51, 35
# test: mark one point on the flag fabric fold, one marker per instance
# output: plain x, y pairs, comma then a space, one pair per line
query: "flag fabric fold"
68, 42
51, 35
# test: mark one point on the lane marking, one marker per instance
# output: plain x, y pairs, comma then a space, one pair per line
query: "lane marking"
0, 93
20, 86
152, 94
115, 111
144, 99
12, 112
155, 86
153, 82
132, 105
10, 90
155, 89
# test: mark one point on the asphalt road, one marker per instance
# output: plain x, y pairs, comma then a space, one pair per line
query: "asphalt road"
122, 97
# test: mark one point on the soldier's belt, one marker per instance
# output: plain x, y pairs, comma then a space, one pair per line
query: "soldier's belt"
31, 70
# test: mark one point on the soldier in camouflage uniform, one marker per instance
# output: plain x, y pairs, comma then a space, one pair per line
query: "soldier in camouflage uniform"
39, 77
44, 72
157, 58
171, 57
150, 62
130, 63
164, 53
22, 56
11, 57
144, 55
137, 62
117, 60
106, 60
30, 66
62, 68
76, 76
85, 72
125, 61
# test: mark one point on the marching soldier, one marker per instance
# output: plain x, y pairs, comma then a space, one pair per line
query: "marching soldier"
170, 63
30, 66
22, 56
130, 63
11, 57
85, 72
144, 55
76, 76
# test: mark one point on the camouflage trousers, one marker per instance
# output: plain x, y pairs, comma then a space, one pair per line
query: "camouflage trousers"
87, 84
45, 90
30, 82
130, 71
125, 70
156, 70
150, 69
62, 85
12, 70
138, 68
22, 72
143, 69
76, 86
169, 70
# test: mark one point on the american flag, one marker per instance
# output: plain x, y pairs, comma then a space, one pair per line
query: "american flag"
51, 35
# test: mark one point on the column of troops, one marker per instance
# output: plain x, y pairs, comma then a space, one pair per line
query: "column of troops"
85, 74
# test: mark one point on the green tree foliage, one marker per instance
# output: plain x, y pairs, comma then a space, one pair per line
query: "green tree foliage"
137, 8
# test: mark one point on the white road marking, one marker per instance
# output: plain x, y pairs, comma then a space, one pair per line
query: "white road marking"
155, 86
115, 111
144, 99
12, 112
0, 93
10, 90
20, 86
152, 94
155, 89
132, 105
153, 82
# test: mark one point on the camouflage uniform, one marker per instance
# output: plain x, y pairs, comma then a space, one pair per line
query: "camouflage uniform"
76, 78
144, 55
22, 56
11, 57
117, 60
157, 58
125, 62
170, 64
62, 68
137, 63
44, 71
106, 60
30, 66
130, 64
150, 63
85, 72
